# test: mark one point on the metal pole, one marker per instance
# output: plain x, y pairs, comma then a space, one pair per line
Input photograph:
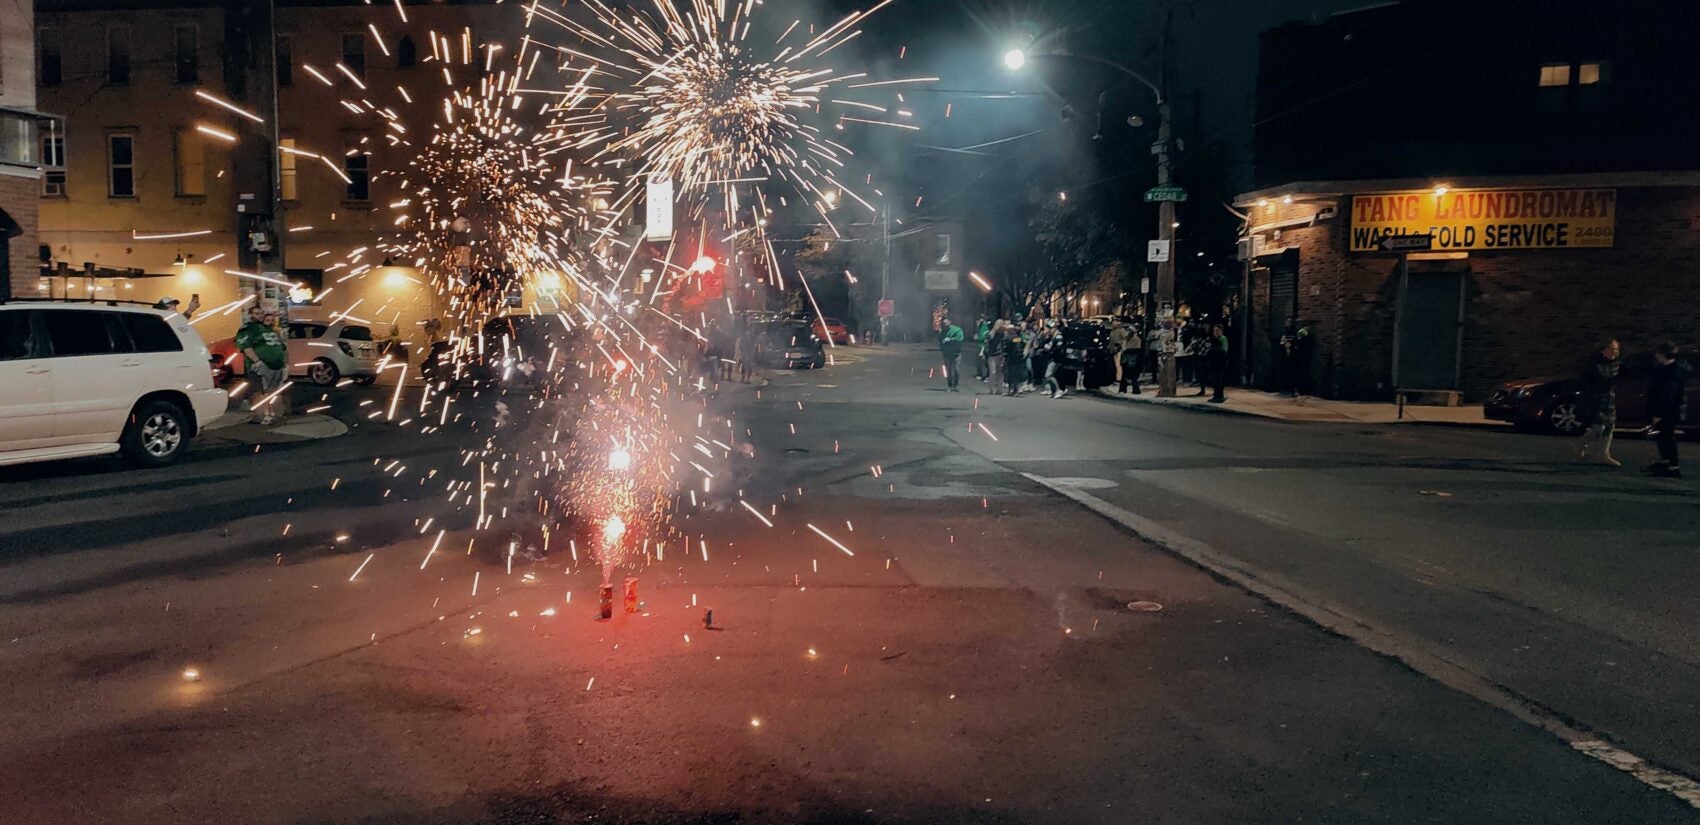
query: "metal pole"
885, 271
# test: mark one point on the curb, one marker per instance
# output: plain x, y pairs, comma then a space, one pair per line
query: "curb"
1220, 409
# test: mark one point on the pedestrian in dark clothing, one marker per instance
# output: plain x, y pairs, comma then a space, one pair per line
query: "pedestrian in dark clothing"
1598, 403
1051, 344
1217, 359
1666, 392
982, 336
1014, 359
950, 346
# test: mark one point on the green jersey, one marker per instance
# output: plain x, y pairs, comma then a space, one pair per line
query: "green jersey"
264, 342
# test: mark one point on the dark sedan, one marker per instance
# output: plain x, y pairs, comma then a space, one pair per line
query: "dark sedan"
792, 344
1554, 404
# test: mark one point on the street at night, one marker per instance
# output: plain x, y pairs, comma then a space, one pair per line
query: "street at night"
976, 660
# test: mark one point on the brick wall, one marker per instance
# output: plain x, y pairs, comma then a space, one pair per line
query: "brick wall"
1532, 313
21, 197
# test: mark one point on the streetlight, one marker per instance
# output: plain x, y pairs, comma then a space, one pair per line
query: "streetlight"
1166, 224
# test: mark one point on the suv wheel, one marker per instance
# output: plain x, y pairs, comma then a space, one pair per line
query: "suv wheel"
323, 372
156, 434
1565, 417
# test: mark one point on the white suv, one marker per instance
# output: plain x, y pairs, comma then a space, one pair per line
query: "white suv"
87, 379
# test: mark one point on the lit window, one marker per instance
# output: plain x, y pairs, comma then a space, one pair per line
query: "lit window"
121, 166
191, 170
1589, 74
286, 170
1555, 74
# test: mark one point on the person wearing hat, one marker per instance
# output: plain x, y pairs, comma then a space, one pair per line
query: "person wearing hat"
265, 358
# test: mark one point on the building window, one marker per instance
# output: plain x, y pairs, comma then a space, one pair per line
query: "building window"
121, 165
50, 65
1592, 80
406, 53
354, 53
53, 162
944, 249
1588, 74
118, 55
187, 49
286, 169
1555, 74
191, 167
357, 165
285, 58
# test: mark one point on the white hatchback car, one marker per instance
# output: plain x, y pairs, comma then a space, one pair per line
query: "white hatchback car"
325, 353
93, 378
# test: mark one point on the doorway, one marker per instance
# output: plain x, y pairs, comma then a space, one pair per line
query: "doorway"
1428, 336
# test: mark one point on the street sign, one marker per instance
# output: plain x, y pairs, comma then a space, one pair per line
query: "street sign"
1157, 252
1145, 286
658, 211
1159, 194
1406, 243
888, 308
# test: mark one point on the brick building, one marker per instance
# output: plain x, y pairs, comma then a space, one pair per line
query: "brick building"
20, 161
1531, 165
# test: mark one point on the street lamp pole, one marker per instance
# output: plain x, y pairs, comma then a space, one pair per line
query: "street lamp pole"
1165, 289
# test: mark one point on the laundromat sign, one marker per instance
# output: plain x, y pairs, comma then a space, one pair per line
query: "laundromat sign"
1488, 219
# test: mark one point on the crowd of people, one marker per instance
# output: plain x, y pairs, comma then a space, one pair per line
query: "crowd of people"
1014, 356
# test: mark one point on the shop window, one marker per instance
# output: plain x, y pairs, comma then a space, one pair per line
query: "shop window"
118, 55
50, 62
284, 55
354, 53
286, 160
121, 165
186, 45
190, 170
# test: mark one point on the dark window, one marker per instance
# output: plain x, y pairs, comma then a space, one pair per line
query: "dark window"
16, 339
121, 166
356, 334
150, 332
354, 53
306, 331
187, 45
76, 332
50, 66
285, 59
118, 55
406, 53
358, 166
1593, 82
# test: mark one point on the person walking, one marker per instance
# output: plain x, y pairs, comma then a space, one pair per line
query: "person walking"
950, 346
266, 359
1050, 349
1119, 335
982, 334
1599, 403
1666, 399
1216, 364
1130, 361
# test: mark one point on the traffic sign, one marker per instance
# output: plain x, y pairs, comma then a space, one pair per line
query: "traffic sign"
1159, 194
888, 307
1157, 252
1406, 243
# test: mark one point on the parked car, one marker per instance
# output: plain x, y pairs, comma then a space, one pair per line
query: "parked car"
92, 378
323, 353
792, 344
833, 329
1086, 352
1554, 404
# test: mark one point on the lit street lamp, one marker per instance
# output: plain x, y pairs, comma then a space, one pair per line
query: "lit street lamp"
1014, 60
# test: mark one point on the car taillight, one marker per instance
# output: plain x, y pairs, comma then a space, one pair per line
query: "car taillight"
346, 349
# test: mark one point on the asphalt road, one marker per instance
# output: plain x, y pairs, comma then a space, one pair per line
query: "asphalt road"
974, 660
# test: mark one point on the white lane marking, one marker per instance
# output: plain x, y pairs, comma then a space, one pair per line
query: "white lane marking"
1405, 648
1084, 483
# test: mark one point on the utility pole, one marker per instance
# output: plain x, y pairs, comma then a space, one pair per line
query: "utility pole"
1165, 212
885, 269
251, 81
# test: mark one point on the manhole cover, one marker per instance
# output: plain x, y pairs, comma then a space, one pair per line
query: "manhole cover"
1144, 607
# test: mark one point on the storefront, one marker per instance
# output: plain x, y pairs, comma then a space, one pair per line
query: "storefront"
1444, 288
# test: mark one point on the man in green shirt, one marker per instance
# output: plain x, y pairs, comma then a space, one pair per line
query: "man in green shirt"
265, 358
950, 346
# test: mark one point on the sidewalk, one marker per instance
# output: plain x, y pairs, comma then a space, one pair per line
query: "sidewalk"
1311, 409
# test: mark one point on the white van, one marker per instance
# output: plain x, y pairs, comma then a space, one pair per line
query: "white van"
91, 378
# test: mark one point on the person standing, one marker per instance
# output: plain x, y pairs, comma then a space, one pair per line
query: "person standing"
1130, 361
265, 359
1051, 345
1014, 359
1599, 402
1119, 335
982, 336
1666, 392
994, 355
1216, 364
950, 346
